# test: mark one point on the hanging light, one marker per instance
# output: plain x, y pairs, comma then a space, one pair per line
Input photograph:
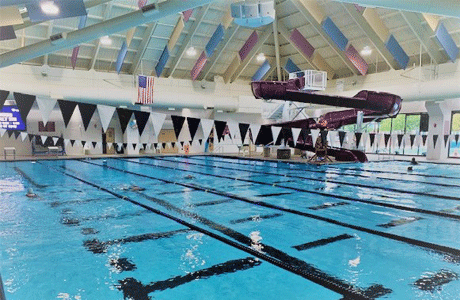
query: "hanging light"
260, 57
49, 8
366, 51
191, 51
106, 40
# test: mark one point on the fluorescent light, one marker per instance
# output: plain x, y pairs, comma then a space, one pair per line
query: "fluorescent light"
171, 108
220, 111
105, 40
49, 8
191, 51
366, 51
260, 57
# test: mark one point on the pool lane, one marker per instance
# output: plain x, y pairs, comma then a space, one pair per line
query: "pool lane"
384, 184
423, 204
276, 257
432, 244
232, 209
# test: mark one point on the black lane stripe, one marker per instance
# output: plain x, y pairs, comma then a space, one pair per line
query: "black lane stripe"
319, 180
304, 270
28, 178
298, 189
175, 192
133, 289
430, 246
399, 222
209, 203
433, 282
84, 201
328, 205
273, 195
76, 221
98, 247
322, 242
255, 218
331, 170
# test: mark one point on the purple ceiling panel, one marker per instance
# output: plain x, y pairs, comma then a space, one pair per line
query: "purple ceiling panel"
250, 43
200, 62
299, 40
356, 60
187, 14
7, 33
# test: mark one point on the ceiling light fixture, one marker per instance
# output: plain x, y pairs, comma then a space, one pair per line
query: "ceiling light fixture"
171, 108
260, 57
366, 51
191, 51
49, 8
106, 40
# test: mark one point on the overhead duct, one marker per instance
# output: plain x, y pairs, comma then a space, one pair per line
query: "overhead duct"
449, 8
87, 34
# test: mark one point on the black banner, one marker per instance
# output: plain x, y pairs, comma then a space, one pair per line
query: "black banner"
24, 103
220, 128
67, 109
435, 139
193, 124
387, 138
372, 138
142, 118
400, 138
446, 138
124, 115
86, 112
412, 139
178, 122
243, 131
341, 137
424, 137
265, 136
358, 136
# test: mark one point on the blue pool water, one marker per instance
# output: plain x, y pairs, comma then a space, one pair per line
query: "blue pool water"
223, 228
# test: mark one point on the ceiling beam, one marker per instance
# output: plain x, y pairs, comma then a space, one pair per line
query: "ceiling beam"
142, 47
49, 33
277, 47
317, 26
88, 5
218, 52
372, 35
261, 41
424, 34
191, 32
107, 11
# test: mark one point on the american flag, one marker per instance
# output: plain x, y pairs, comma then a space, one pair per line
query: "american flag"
141, 3
145, 90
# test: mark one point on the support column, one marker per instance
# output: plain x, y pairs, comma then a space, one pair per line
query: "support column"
439, 124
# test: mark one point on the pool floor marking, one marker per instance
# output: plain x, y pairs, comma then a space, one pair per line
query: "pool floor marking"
314, 179
322, 242
328, 205
273, 195
84, 201
400, 222
28, 178
337, 169
304, 270
436, 280
75, 222
255, 218
122, 264
215, 202
370, 202
176, 192
98, 247
133, 289
431, 246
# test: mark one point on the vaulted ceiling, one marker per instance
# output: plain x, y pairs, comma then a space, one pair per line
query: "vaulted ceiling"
411, 30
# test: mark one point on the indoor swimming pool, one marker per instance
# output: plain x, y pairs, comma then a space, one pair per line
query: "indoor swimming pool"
215, 227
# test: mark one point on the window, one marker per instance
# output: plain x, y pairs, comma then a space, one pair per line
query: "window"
406, 127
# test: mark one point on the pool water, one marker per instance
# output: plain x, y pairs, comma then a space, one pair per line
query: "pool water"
203, 227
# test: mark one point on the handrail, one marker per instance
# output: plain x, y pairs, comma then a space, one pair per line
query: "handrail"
2, 292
